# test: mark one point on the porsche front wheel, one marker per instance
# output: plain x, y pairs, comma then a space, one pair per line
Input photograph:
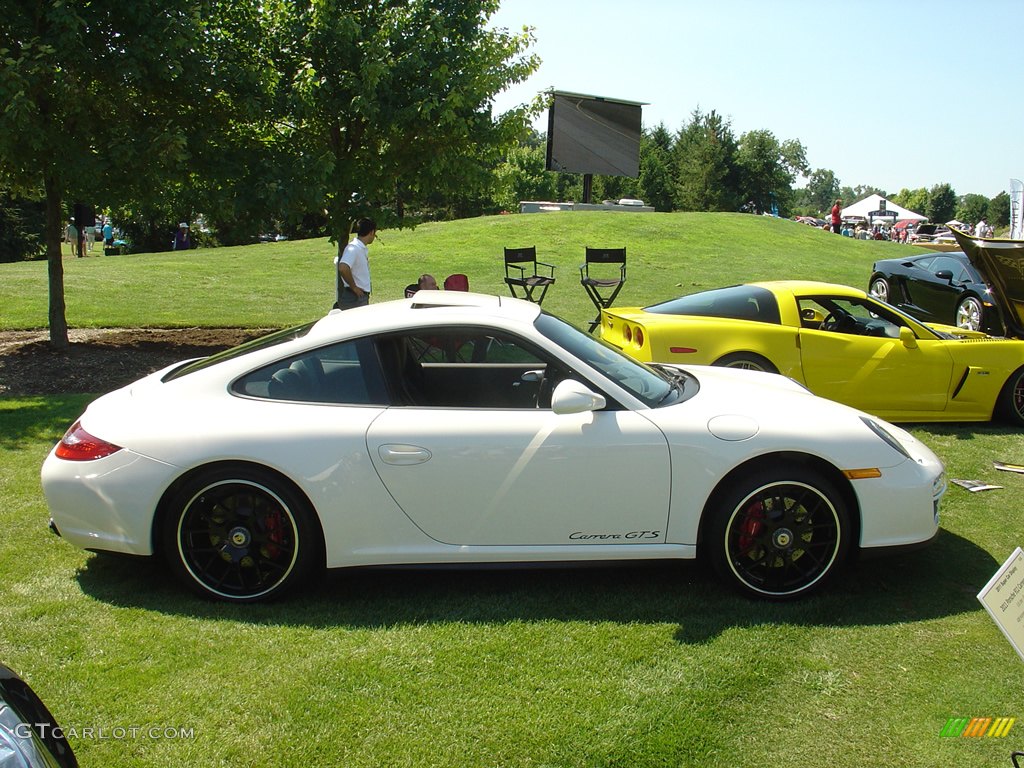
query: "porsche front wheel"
779, 534
239, 536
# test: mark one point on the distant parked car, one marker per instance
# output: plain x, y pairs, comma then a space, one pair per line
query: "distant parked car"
937, 288
925, 233
811, 221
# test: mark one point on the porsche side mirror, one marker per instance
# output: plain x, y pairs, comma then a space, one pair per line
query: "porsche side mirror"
907, 337
572, 397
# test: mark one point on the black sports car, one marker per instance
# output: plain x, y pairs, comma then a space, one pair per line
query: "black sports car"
937, 288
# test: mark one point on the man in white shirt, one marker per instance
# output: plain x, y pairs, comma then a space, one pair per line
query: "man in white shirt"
352, 267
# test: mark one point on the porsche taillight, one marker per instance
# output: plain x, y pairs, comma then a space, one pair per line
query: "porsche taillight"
79, 445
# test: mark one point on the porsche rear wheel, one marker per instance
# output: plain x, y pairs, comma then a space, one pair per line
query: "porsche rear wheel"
1011, 398
779, 534
968, 313
880, 289
239, 536
749, 361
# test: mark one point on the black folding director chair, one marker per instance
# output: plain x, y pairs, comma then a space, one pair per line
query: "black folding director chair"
522, 270
603, 287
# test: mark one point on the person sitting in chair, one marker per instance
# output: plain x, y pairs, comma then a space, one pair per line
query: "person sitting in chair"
425, 283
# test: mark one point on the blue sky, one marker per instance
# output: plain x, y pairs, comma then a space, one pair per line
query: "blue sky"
897, 93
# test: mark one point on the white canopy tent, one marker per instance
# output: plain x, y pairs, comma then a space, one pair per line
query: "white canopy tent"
876, 208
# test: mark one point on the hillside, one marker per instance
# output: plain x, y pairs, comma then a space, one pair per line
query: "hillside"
278, 284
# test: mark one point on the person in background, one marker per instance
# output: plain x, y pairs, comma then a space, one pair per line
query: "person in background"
352, 267
182, 241
837, 216
71, 237
108, 233
425, 283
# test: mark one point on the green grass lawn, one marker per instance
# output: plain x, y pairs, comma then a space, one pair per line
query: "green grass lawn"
631, 666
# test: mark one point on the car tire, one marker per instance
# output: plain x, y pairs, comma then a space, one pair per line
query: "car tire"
778, 534
969, 313
240, 535
750, 361
879, 289
1010, 405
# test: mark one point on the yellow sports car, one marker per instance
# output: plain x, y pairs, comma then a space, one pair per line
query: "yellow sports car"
839, 342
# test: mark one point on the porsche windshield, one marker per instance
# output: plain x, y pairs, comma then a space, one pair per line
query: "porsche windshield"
643, 382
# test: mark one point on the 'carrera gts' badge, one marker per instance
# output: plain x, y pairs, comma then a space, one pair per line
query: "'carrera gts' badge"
631, 536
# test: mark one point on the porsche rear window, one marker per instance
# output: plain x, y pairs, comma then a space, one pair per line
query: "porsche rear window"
270, 340
740, 302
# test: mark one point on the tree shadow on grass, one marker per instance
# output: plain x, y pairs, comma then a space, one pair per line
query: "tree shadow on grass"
941, 580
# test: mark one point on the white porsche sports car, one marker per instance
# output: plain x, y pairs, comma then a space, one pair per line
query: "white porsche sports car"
457, 428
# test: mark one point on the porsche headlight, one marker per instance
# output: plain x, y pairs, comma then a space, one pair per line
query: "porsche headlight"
885, 436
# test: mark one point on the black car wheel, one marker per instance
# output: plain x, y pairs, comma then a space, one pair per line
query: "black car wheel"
968, 313
749, 361
239, 536
879, 289
779, 534
1011, 398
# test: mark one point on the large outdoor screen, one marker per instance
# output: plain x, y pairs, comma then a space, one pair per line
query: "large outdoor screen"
588, 134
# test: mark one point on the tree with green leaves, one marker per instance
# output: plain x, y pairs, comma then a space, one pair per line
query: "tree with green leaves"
522, 176
102, 98
705, 161
971, 208
915, 200
656, 181
384, 103
768, 169
941, 203
999, 210
822, 190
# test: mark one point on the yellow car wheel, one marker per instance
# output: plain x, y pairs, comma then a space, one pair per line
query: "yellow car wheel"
1011, 398
749, 361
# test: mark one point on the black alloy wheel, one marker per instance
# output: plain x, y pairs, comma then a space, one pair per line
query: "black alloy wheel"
237, 536
1011, 399
779, 535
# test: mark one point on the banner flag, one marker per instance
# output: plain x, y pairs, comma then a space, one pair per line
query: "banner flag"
1016, 201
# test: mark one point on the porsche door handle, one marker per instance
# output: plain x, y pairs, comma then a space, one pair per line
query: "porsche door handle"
403, 455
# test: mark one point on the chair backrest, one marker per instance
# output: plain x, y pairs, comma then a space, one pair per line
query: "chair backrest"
518, 255
456, 282
410, 290
606, 255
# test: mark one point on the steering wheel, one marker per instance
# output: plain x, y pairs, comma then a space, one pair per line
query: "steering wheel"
836, 321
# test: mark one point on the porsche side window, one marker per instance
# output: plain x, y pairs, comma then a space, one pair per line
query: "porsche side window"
465, 368
333, 374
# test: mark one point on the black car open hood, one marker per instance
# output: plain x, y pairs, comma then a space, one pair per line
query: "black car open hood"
1001, 264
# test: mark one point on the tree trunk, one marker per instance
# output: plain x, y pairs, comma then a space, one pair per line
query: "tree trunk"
55, 264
